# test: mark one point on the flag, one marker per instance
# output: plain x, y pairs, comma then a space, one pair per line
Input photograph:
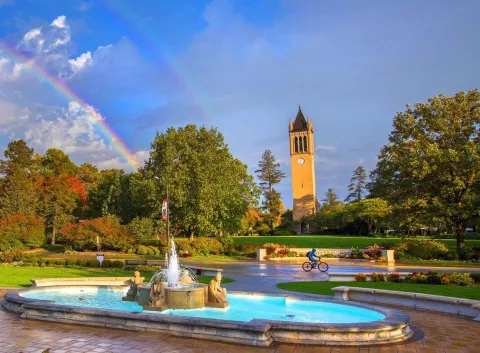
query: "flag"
165, 210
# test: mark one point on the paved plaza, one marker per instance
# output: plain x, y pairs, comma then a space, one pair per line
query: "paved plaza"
434, 333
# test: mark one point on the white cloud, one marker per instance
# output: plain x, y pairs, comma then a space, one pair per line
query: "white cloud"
81, 61
59, 22
32, 34
25, 114
324, 148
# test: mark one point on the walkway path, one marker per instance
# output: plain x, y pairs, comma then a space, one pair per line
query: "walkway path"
434, 334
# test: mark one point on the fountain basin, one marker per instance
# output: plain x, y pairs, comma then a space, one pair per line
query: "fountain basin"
186, 297
381, 327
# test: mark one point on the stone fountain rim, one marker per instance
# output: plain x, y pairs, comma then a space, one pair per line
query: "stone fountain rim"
392, 318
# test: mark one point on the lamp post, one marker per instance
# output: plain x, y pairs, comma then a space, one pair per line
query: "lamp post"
168, 203
168, 211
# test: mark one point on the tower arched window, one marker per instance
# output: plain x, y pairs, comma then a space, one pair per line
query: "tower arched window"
305, 147
301, 144
296, 144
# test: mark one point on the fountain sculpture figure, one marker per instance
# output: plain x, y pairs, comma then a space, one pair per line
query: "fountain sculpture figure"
176, 287
132, 291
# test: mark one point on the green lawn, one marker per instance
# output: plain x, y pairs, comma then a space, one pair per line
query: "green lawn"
327, 241
324, 288
57, 252
20, 276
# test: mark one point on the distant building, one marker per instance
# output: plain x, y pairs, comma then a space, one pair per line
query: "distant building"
302, 149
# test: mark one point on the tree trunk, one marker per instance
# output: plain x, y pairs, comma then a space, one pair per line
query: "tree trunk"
54, 232
460, 234
54, 227
192, 234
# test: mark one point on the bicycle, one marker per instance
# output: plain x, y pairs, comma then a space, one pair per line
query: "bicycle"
309, 265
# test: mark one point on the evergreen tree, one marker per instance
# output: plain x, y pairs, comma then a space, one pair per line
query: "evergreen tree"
331, 201
20, 185
357, 186
269, 174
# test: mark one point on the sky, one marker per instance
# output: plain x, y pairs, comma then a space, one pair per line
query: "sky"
133, 68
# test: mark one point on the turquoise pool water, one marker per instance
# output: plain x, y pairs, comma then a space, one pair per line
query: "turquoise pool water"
242, 307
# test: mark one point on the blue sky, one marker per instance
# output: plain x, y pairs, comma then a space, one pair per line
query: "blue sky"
242, 66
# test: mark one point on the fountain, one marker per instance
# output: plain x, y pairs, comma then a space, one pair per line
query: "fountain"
176, 287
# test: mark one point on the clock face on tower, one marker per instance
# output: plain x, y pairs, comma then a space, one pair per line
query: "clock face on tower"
301, 161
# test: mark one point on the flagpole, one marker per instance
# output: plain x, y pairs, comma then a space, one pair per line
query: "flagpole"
168, 217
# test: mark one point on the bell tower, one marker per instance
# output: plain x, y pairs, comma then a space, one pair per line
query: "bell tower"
303, 168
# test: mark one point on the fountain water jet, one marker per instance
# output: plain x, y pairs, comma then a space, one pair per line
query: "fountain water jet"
175, 287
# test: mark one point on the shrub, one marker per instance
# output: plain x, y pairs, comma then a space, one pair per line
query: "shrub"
186, 254
83, 236
70, 262
141, 228
21, 232
264, 229
271, 248
460, 279
393, 277
382, 259
445, 280
328, 255
356, 251
400, 250
60, 262
207, 245
143, 250
374, 251
107, 264
154, 249
83, 263
226, 241
366, 256
118, 264
475, 277
377, 277
285, 253
425, 249
94, 263
10, 256
145, 268
360, 277
69, 251
434, 279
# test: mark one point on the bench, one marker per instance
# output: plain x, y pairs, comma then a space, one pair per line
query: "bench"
204, 271
81, 281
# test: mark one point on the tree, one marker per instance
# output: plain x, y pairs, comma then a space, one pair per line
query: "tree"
209, 189
250, 219
20, 185
269, 174
89, 175
331, 202
373, 211
432, 161
106, 198
268, 171
59, 200
357, 186
56, 162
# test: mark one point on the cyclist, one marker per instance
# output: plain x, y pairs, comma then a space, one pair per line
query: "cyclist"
311, 256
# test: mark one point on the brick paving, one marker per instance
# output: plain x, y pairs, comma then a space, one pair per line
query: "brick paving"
434, 333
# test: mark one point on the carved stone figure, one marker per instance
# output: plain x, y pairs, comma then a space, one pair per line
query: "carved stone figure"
132, 292
216, 294
186, 279
157, 294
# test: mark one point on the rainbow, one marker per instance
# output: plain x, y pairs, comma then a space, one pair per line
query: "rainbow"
67, 92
